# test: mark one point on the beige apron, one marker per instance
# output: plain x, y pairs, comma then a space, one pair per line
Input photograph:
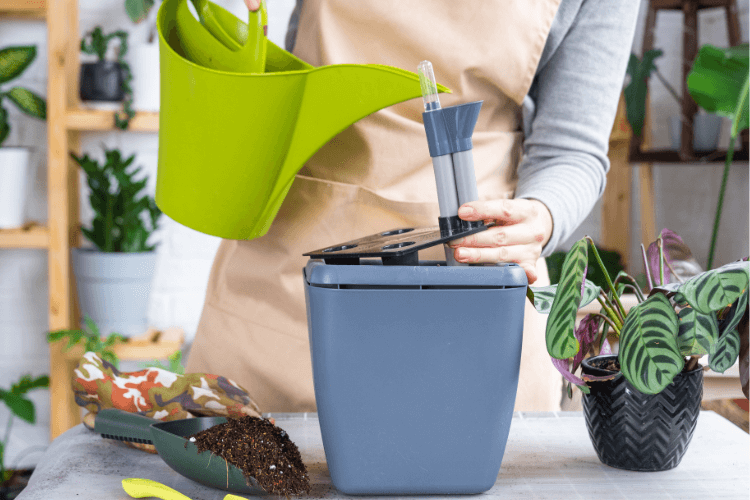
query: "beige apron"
374, 176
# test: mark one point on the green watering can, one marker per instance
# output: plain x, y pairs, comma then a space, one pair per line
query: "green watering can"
232, 136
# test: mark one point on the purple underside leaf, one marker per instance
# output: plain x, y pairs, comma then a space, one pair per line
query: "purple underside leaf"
586, 334
677, 253
563, 366
606, 348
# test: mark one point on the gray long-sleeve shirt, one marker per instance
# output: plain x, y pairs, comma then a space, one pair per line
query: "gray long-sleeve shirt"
570, 108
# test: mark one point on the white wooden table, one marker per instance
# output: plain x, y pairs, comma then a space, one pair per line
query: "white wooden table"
548, 455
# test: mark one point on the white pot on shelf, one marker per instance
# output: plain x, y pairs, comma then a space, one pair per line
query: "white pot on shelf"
14, 173
706, 129
145, 68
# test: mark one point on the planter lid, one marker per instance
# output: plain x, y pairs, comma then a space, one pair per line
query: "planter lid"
427, 273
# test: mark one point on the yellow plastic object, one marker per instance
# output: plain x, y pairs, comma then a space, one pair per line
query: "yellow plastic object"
231, 141
146, 488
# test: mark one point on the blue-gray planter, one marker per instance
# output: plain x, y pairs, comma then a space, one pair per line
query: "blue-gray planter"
113, 288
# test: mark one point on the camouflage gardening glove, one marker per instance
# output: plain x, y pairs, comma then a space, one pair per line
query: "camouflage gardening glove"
158, 393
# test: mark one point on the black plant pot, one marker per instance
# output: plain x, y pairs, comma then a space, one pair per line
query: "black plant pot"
102, 81
13, 487
641, 432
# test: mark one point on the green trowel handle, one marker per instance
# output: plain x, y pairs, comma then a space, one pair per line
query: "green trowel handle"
124, 426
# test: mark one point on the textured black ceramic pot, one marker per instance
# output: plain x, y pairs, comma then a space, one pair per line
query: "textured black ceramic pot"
101, 81
641, 432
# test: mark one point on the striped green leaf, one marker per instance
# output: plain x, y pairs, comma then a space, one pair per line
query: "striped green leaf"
28, 102
649, 356
697, 332
716, 289
724, 352
544, 295
734, 315
560, 334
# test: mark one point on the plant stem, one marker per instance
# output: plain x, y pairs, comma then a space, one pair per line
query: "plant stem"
606, 276
633, 287
692, 363
614, 327
645, 265
4, 444
674, 272
667, 85
659, 243
611, 312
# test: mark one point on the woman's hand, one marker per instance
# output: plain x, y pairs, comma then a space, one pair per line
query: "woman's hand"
522, 229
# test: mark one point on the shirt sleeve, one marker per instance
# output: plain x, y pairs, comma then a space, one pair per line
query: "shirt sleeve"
575, 96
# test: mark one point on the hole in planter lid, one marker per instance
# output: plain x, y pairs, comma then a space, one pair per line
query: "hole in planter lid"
339, 248
397, 231
398, 245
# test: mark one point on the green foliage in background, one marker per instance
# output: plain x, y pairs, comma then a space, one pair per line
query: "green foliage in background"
124, 218
138, 9
96, 43
13, 62
718, 82
175, 363
20, 406
92, 340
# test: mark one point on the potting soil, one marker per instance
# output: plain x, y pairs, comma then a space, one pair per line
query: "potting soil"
261, 450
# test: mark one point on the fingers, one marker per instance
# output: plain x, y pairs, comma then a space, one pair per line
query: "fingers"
253, 5
503, 211
517, 234
524, 255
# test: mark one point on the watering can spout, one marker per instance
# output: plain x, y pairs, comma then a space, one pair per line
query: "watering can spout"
231, 142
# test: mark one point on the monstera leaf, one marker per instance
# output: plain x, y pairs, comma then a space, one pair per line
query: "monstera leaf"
543, 296
560, 334
697, 332
649, 355
718, 82
717, 288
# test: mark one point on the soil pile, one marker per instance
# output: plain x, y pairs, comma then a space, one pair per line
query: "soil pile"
260, 450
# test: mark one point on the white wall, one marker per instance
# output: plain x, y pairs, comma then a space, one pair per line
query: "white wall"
184, 255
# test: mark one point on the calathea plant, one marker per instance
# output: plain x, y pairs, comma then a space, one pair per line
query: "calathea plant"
124, 218
682, 317
13, 62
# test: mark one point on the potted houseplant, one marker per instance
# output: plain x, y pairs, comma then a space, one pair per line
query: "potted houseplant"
107, 80
145, 56
14, 161
706, 126
114, 277
13, 481
641, 405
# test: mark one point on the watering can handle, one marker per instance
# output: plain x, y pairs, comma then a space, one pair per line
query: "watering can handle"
114, 423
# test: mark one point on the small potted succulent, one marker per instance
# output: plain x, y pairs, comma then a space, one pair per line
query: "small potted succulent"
114, 278
13, 481
641, 404
107, 80
14, 161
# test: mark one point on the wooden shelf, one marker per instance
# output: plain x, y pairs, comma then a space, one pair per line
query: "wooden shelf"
151, 345
34, 236
93, 120
671, 156
31, 9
